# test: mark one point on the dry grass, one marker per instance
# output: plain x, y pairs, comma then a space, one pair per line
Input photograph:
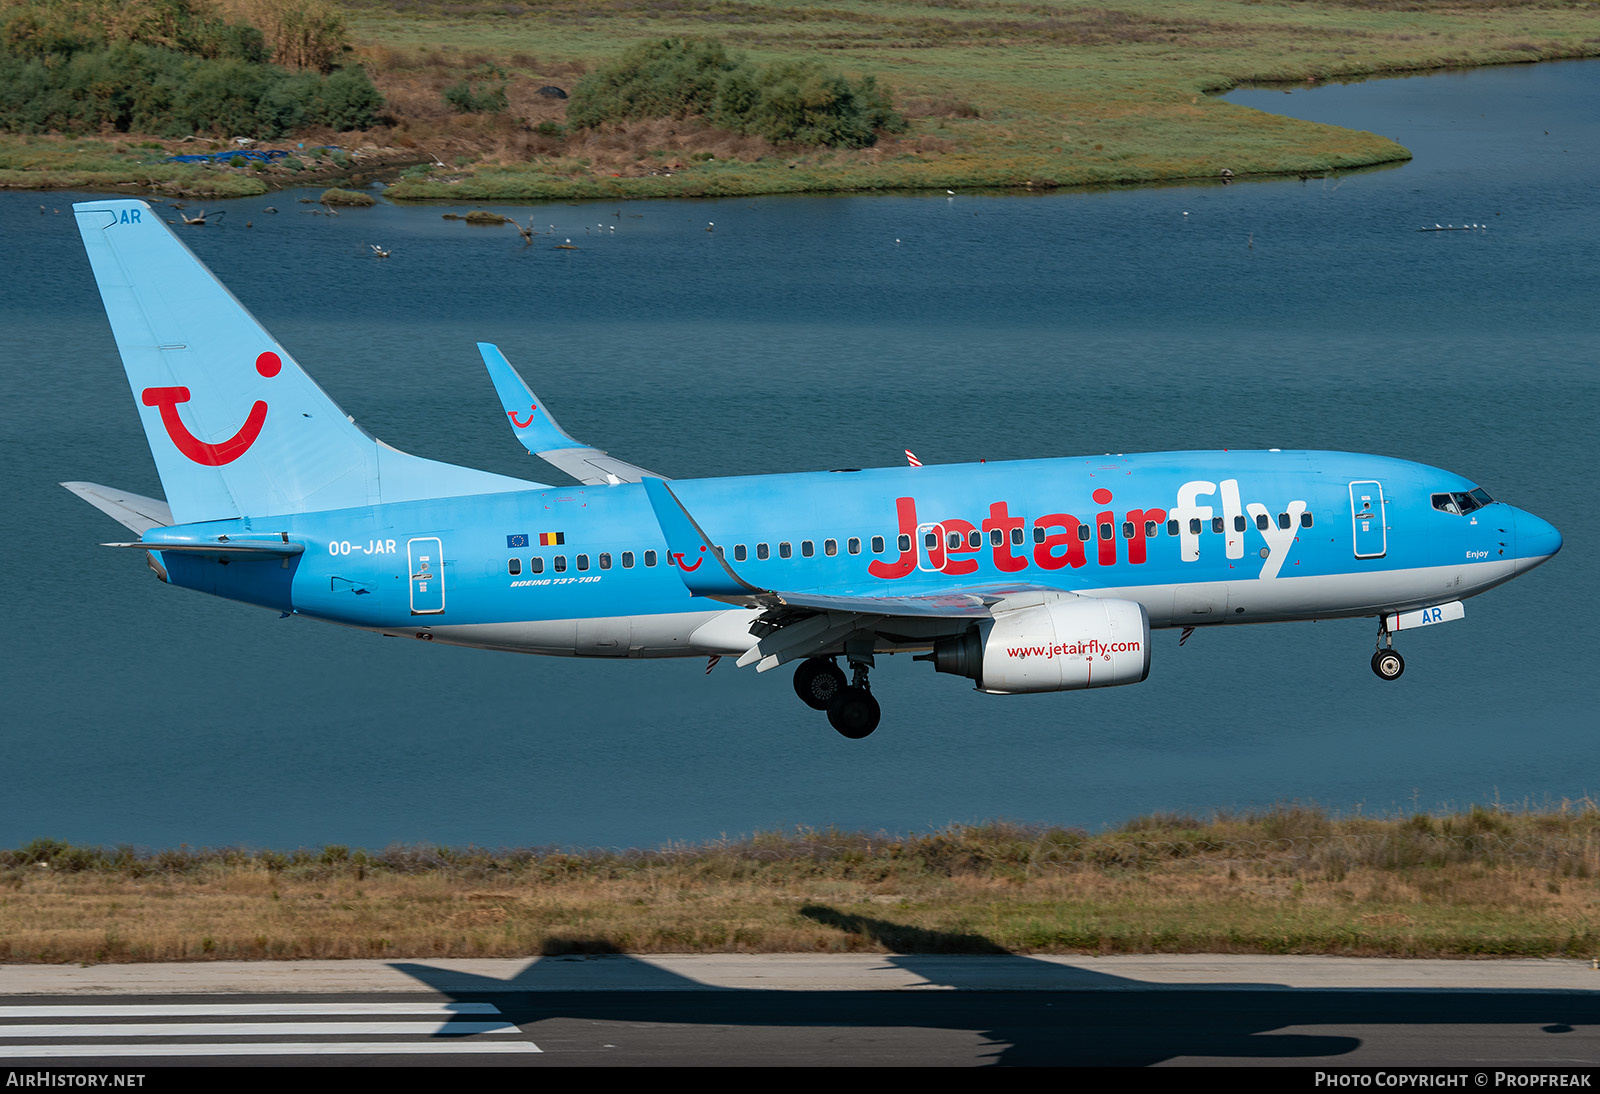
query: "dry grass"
1487, 882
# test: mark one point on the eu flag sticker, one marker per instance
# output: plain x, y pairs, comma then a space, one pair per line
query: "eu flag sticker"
518, 540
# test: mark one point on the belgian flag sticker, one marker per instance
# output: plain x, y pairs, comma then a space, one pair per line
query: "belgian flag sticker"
552, 539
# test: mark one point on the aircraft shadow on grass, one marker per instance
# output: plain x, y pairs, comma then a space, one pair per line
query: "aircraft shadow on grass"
1069, 1014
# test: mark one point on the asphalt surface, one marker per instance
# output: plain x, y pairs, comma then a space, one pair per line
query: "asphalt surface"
807, 1010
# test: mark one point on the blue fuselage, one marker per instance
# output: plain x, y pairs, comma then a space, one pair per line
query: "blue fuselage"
1196, 537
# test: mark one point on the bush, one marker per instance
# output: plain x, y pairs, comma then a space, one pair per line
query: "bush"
161, 66
484, 92
681, 77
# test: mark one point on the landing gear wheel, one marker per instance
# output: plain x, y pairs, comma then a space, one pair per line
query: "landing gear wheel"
818, 682
854, 713
1388, 664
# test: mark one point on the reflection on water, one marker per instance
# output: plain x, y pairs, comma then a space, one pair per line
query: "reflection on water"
831, 332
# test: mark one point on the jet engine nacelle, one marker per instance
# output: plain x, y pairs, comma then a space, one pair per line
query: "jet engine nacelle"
1063, 644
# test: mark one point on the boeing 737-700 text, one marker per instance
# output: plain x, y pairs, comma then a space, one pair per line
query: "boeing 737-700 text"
1039, 575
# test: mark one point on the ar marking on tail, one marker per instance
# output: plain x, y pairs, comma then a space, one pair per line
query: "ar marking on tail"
211, 455
524, 425
129, 216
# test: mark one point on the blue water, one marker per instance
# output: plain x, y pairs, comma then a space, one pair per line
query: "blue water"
824, 332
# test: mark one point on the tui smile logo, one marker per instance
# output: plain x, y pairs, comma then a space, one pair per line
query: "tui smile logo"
166, 399
677, 558
533, 412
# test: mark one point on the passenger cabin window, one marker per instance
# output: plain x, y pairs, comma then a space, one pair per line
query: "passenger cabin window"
561, 564
649, 558
853, 545
954, 540
627, 560
1216, 524
784, 550
1150, 527
1083, 533
1305, 519
930, 540
1283, 520
605, 560
830, 547
1238, 523
904, 543
1172, 527
1261, 521
762, 551
877, 545
806, 548
536, 565
1038, 535
738, 552
1127, 529
996, 537
1105, 530
1016, 537
513, 566
1194, 526
583, 562
974, 538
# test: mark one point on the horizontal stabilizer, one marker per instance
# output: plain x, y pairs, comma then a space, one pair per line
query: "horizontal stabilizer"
261, 545
134, 512
536, 428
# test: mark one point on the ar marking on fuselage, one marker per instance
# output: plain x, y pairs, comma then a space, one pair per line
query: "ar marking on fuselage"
166, 400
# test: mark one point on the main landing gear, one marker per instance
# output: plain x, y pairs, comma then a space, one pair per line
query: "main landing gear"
851, 708
1387, 662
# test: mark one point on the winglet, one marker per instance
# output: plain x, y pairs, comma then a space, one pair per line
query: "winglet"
702, 569
539, 432
536, 428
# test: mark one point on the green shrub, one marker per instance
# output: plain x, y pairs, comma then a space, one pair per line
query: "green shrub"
484, 92
336, 196
801, 102
161, 66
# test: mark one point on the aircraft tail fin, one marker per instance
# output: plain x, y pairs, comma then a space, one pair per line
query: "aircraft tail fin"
237, 428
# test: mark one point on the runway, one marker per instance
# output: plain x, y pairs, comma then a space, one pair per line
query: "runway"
807, 1010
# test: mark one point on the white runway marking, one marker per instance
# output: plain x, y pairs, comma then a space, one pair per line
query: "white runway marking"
240, 1010
255, 1029
440, 1030
267, 1048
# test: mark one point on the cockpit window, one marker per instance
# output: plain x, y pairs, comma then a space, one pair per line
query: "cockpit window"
1462, 502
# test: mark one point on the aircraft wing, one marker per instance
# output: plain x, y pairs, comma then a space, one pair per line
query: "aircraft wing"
540, 435
800, 624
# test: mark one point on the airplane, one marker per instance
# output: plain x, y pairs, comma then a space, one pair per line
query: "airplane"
1027, 576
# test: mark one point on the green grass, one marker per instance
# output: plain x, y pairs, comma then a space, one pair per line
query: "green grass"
56, 163
1000, 93
1040, 92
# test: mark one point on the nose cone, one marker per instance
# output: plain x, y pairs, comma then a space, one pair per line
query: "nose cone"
1537, 540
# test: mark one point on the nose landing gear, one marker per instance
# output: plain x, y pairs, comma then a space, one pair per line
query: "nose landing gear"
1387, 662
851, 709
